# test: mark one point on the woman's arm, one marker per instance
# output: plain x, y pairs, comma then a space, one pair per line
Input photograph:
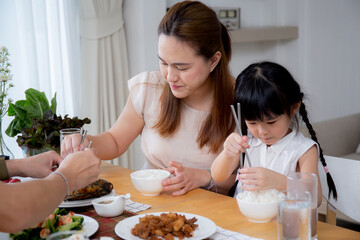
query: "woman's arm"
113, 142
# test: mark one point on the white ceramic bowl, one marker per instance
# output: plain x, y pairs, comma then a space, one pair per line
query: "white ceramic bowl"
259, 206
111, 206
148, 181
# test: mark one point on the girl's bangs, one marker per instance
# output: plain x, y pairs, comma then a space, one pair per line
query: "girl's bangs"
261, 103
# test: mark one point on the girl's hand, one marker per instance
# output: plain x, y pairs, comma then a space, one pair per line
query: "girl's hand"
234, 144
259, 178
185, 179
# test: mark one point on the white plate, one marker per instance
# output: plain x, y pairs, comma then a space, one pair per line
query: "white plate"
205, 228
90, 226
82, 203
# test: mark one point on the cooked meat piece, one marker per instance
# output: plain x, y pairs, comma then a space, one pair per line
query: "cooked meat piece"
97, 189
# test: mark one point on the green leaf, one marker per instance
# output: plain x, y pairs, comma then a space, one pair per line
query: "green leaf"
38, 100
34, 112
18, 111
25, 111
53, 104
11, 111
11, 131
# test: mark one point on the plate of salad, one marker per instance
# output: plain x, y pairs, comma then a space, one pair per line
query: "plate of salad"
60, 220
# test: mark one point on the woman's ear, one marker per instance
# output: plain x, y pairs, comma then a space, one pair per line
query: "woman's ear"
295, 108
214, 60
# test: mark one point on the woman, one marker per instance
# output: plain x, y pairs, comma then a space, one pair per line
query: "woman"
181, 112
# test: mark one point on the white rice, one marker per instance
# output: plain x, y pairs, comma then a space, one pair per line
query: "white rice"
259, 196
150, 173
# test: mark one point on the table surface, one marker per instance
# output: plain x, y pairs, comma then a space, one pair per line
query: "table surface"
222, 210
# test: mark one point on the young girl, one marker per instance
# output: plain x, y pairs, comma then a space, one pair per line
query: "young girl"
270, 99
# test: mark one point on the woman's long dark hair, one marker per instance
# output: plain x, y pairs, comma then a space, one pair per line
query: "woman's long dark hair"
194, 23
266, 90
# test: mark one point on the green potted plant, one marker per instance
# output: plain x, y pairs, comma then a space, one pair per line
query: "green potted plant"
36, 124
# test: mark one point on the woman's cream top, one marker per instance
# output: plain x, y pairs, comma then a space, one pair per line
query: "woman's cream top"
145, 91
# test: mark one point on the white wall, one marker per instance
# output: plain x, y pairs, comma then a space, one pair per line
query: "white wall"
326, 56
324, 59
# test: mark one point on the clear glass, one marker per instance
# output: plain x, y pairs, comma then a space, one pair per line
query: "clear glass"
4, 150
294, 217
306, 182
71, 235
67, 131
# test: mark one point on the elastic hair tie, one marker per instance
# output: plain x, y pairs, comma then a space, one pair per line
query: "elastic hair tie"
326, 169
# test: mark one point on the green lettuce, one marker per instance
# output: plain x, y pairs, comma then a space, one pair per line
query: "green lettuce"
38, 123
25, 111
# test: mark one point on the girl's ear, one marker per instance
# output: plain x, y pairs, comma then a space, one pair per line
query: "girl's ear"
214, 60
295, 108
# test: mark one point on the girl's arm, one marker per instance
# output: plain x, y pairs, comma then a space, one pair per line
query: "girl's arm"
308, 163
228, 160
223, 166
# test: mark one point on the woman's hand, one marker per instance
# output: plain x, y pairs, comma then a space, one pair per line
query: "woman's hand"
185, 179
259, 178
71, 144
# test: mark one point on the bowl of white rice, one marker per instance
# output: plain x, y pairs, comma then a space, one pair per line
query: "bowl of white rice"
148, 181
259, 206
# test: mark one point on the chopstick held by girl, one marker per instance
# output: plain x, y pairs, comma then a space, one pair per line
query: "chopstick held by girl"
271, 101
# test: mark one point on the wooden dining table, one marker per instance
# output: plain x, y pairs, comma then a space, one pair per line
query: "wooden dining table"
221, 209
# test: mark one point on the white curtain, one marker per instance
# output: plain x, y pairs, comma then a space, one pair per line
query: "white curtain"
43, 40
104, 66
49, 45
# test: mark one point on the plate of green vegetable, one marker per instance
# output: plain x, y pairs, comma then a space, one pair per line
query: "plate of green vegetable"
60, 220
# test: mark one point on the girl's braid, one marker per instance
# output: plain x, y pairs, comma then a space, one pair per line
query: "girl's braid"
330, 181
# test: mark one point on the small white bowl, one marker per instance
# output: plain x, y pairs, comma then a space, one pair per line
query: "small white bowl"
148, 181
111, 206
256, 207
